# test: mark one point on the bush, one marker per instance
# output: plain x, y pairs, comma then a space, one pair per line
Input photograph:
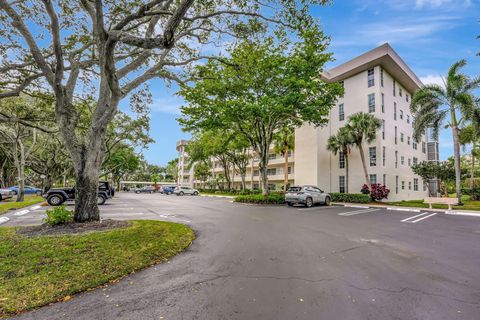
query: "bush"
350, 197
365, 189
474, 193
379, 192
58, 215
272, 198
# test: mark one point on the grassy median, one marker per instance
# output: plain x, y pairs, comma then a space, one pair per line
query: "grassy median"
35, 271
467, 205
11, 203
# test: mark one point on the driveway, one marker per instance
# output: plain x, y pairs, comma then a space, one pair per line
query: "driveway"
254, 262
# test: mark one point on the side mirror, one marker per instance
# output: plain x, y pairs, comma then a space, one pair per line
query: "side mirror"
321, 191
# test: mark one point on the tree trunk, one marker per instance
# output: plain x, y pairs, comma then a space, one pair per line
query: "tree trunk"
262, 168
285, 179
86, 192
456, 154
364, 164
472, 173
346, 171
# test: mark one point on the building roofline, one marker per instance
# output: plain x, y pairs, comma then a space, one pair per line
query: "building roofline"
383, 55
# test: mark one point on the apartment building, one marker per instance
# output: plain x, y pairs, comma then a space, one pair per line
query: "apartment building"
378, 82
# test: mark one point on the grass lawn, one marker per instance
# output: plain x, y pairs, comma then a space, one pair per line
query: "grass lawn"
35, 271
468, 205
8, 204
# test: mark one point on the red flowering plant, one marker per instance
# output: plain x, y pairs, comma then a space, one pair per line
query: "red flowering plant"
378, 192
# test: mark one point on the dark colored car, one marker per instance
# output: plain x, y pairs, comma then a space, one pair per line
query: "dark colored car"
57, 196
167, 189
146, 189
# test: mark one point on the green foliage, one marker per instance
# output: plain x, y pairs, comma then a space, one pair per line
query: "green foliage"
350, 197
474, 193
58, 215
202, 171
271, 198
443, 170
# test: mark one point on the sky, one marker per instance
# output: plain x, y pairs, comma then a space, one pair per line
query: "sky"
429, 35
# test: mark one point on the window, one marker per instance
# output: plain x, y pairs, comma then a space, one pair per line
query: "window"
400, 92
371, 77
401, 137
341, 112
343, 86
396, 184
415, 161
384, 155
396, 159
394, 87
409, 185
394, 111
381, 77
415, 184
408, 140
372, 151
341, 160
402, 160
271, 186
424, 147
272, 171
383, 103
414, 145
373, 178
403, 185
383, 129
408, 118
384, 179
424, 186
341, 184
396, 135
289, 153
406, 97
401, 114
289, 170
256, 173
272, 156
409, 162
255, 186
371, 102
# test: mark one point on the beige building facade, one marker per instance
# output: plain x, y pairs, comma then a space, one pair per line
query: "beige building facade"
378, 82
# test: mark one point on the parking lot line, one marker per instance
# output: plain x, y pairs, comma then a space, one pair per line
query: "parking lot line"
21, 213
352, 213
419, 217
313, 208
4, 219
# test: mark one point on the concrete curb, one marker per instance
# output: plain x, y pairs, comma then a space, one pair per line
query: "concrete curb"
463, 213
215, 196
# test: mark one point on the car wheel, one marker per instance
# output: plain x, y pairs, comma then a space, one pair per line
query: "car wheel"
195, 193
38, 193
1, 198
181, 193
327, 201
101, 199
309, 203
55, 200
137, 192
290, 204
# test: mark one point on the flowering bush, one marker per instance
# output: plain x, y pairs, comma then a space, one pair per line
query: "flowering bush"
377, 191
365, 189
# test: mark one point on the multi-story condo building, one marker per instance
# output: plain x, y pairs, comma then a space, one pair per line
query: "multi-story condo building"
378, 82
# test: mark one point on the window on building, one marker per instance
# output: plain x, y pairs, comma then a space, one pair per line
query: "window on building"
402, 160
424, 186
394, 111
383, 103
341, 184
256, 186
408, 140
341, 160
400, 92
384, 180
272, 186
289, 170
381, 77
401, 114
409, 185
401, 137
383, 129
394, 87
256, 173
384, 155
396, 184
371, 77
409, 162
272, 156
371, 102
403, 185
272, 171
414, 145
396, 159
289, 153
415, 161
343, 86
396, 134
341, 112
408, 118
424, 147
372, 151
415, 184
373, 178
406, 97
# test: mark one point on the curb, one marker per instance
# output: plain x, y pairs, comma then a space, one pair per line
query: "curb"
214, 196
463, 213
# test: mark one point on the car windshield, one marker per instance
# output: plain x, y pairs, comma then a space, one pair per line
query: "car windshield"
294, 189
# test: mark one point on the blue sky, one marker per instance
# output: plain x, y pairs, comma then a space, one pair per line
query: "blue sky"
430, 35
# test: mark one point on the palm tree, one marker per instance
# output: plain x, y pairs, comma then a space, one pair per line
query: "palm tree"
363, 128
284, 141
469, 136
433, 105
342, 142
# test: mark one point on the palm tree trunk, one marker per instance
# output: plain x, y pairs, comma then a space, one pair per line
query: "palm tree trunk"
285, 180
346, 171
364, 164
472, 173
456, 153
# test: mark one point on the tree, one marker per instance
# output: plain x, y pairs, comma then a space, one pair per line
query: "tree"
342, 142
171, 170
470, 135
266, 85
122, 161
432, 105
202, 172
284, 141
429, 170
109, 50
362, 128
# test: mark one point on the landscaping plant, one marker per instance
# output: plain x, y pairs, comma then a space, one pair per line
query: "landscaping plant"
58, 215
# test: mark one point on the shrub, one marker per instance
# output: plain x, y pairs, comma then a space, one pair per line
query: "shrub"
350, 197
379, 192
365, 189
58, 215
272, 198
474, 193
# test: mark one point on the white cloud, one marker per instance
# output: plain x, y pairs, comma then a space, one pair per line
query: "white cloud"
169, 105
433, 79
439, 3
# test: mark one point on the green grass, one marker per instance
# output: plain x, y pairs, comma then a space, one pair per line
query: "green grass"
11, 203
39, 270
468, 205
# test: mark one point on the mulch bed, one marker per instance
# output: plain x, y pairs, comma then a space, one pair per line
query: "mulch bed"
72, 228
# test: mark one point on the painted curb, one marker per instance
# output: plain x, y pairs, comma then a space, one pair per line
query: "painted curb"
404, 209
463, 213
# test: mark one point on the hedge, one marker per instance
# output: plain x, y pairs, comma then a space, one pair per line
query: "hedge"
230, 192
350, 197
272, 198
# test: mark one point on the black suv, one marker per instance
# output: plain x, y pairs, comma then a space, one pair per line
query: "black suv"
57, 196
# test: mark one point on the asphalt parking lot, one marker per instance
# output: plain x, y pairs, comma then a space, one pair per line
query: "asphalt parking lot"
259, 262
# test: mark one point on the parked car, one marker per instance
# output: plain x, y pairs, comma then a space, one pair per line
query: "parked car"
167, 189
57, 196
28, 190
6, 194
306, 195
180, 191
106, 186
146, 189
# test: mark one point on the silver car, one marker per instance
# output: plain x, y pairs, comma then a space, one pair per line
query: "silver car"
180, 191
6, 194
307, 195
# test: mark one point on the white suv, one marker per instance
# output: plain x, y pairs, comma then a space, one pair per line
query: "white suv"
180, 191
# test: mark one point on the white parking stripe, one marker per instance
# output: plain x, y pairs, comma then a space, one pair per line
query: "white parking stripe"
413, 217
420, 217
36, 207
404, 209
352, 213
4, 219
313, 208
21, 213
